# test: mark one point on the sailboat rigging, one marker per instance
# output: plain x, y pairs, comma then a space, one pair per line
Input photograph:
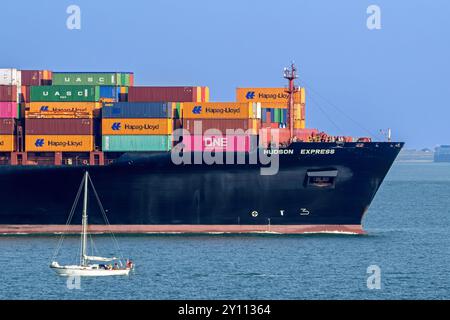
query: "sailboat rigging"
85, 266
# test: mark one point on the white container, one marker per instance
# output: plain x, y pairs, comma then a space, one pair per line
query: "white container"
10, 77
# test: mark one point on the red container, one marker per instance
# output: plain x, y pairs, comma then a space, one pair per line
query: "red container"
8, 93
32, 77
7, 126
8, 110
220, 143
131, 79
162, 94
25, 94
59, 126
221, 124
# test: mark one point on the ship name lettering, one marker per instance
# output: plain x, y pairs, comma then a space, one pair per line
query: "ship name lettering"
317, 151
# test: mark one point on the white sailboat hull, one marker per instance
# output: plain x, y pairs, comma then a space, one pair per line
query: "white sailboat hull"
88, 271
84, 269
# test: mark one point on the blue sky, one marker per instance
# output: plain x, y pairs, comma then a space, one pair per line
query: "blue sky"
363, 80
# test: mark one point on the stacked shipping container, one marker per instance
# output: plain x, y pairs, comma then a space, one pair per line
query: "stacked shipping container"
274, 104
10, 87
113, 86
144, 126
220, 126
178, 94
62, 110
59, 118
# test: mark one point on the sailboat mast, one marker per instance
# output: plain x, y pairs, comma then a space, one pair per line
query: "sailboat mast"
84, 221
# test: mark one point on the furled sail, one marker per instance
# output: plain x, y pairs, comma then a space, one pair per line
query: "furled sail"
94, 258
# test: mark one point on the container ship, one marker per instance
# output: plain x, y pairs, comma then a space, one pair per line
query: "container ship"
167, 159
442, 153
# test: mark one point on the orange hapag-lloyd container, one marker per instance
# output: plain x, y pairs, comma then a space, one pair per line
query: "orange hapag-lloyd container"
59, 115
56, 143
62, 106
7, 143
271, 95
129, 126
221, 110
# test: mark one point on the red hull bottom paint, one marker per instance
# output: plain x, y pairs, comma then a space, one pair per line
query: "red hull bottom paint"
139, 229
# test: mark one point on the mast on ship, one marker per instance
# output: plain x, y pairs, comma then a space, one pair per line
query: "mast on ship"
291, 74
84, 222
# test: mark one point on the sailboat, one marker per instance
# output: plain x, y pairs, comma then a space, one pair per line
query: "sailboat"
89, 264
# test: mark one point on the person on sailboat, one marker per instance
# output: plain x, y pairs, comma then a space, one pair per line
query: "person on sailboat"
129, 264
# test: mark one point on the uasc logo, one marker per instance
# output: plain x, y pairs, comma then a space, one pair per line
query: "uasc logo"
79, 93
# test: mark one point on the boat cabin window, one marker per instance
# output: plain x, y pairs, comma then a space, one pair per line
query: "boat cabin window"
320, 179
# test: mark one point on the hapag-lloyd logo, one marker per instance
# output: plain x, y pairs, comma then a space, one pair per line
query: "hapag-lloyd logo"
68, 143
266, 96
62, 109
216, 110
117, 126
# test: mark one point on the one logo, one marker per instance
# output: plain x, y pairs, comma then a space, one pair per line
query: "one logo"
116, 126
250, 95
44, 108
39, 143
197, 110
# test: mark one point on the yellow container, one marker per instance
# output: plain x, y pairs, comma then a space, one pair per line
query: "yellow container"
299, 124
302, 96
274, 95
206, 89
7, 143
54, 107
298, 111
221, 110
148, 126
56, 143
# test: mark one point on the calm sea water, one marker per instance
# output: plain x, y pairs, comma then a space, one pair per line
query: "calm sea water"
409, 239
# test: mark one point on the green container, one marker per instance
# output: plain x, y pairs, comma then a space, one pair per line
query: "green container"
177, 114
91, 79
277, 115
65, 93
123, 79
123, 143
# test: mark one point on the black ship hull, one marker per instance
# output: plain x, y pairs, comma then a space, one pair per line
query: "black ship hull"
319, 187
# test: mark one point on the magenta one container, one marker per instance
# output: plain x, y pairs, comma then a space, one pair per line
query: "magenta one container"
8, 110
234, 143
